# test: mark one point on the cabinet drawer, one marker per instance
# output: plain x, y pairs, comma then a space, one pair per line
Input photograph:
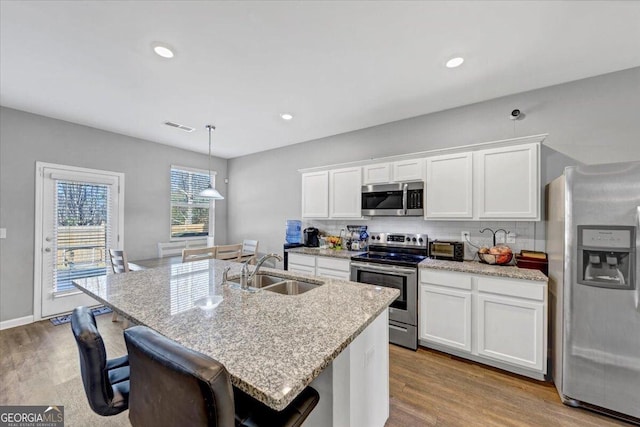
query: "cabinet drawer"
307, 260
515, 288
296, 268
334, 264
342, 275
445, 278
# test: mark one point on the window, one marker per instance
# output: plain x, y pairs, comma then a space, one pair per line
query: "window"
191, 216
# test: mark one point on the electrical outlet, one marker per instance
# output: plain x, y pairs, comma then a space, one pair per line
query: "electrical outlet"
511, 237
465, 236
500, 238
3, 233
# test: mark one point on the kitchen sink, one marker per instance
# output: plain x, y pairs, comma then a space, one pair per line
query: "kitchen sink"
291, 287
275, 284
263, 280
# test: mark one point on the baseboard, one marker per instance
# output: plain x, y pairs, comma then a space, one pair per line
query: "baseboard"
12, 323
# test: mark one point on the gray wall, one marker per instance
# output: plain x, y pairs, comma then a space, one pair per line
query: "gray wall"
26, 138
591, 120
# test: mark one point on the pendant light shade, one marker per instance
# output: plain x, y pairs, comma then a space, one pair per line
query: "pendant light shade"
210, 192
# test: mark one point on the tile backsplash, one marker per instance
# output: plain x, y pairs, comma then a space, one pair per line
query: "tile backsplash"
442, 230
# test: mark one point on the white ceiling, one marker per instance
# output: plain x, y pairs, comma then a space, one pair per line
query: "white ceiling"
337, 66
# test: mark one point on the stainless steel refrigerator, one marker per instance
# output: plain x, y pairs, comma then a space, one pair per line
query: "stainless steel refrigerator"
592, 240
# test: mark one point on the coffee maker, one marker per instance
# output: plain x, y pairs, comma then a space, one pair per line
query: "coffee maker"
311, 237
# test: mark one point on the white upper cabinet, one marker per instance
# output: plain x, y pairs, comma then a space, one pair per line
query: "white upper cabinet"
507, 182
449, 189
345, 193
408, 170
315, 194
376, 174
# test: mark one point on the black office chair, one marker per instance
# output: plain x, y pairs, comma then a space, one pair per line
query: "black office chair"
172, 385
106, 382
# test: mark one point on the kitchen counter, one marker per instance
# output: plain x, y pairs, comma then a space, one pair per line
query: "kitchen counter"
272, 345
334, 253
476, 267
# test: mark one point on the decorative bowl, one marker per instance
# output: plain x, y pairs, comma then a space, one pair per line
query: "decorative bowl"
500, 259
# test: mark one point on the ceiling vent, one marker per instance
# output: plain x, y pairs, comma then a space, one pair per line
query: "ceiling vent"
179, 126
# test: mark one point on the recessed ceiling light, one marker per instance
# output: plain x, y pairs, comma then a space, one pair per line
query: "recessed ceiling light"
162, 50
454, 62
286, 116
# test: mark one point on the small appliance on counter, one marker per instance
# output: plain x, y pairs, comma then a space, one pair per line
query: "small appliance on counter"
447, 250
311, 237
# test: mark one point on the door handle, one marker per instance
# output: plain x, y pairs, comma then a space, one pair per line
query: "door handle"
47, 249
48, 239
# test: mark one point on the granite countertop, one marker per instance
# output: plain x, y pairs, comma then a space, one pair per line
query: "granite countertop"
476, 267
273, 345
334, 253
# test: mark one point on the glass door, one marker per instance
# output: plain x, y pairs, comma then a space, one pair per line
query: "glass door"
80, 223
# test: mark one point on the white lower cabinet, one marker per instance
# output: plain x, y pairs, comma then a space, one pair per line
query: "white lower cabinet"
446, 316
511, 330
335, 268
299, 263
494, 320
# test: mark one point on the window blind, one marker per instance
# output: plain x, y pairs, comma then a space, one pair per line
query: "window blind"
189, 213
82, 225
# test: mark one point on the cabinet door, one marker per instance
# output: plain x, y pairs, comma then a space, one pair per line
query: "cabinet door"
376, 174
315, 194
445, 317
449, 186
511, 330
508, 183
408, 170
345, 193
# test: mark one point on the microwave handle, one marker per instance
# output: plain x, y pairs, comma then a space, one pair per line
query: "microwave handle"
405, 189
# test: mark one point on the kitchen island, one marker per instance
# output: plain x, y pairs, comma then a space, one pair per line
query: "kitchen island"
334, 337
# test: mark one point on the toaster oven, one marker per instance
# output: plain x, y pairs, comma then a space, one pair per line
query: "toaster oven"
447, 250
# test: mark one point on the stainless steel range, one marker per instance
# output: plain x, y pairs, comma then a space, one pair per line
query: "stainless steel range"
392, 261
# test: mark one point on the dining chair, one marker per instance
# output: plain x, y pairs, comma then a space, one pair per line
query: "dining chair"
106, 382
172, 385
229, 252
249, 251
119, 264
198, 254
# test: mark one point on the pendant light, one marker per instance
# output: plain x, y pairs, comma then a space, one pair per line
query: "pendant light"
210, 192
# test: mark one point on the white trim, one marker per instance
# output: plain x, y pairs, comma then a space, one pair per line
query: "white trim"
450, 150
195, 170
39, 222
18, 321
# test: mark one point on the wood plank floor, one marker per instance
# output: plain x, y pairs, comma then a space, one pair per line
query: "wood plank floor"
39, 366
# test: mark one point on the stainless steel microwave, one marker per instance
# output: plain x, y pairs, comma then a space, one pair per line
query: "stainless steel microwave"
398, 199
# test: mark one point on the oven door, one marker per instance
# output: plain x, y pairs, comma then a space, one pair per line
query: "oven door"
405, 279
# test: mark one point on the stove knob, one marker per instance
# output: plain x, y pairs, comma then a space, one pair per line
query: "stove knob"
420, 240
377, 237
413, 240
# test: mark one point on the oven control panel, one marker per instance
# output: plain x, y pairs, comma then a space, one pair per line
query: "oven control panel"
399, 239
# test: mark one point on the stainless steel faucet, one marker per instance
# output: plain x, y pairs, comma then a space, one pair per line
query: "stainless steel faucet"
225, 273
245, 276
